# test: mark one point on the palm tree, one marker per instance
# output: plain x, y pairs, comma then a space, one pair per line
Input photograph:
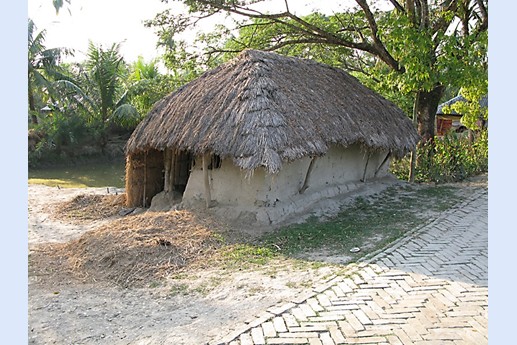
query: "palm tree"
140, 70
43, 66
99, 89
106, 73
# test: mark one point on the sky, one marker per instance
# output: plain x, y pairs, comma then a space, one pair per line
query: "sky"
101, 21
106, 22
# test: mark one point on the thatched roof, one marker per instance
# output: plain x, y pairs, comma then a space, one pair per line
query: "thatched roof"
262, 109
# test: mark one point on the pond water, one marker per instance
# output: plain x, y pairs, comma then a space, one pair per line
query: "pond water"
105, 174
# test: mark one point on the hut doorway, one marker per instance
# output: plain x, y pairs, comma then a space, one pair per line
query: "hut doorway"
178, 165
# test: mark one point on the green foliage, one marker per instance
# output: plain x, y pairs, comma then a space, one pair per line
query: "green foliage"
411, 47
59, 131
43, 68
140, 70
98, 89
471, 109
59, 4
407, 52
106, 73
147, 85
447, 159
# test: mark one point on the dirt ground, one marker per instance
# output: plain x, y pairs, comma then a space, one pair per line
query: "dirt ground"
191, 307
188, 303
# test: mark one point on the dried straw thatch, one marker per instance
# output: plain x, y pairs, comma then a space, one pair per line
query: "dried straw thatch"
262, 109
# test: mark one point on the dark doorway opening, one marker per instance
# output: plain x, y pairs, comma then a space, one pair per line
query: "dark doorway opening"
183, 163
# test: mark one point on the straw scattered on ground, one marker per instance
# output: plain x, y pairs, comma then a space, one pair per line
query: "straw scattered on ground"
132, 251
86, 208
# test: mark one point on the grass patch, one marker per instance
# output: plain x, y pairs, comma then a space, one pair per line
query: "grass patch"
368, 223
54, 182
179, 289
245, 255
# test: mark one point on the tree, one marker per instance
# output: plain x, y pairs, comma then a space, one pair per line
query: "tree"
99, 88
148, 85
418, 46
43, 66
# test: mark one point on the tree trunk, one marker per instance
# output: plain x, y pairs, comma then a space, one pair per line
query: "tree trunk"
32, 108
426, 104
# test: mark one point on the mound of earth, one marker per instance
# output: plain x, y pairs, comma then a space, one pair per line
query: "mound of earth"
130, 251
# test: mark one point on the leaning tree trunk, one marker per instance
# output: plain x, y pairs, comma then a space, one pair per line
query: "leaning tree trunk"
426, 104
424, 114
32, 108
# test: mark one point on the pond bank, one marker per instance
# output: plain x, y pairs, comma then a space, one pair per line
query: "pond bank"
94, 174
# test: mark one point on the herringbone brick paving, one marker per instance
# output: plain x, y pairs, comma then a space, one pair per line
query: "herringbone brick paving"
431, 287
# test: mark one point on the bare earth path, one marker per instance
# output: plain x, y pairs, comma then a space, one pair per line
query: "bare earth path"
431, 287
170, 313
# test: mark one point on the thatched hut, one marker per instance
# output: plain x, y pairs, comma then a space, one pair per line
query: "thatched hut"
264, 132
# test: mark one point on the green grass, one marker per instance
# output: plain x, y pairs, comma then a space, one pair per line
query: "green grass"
368, 224
245, 255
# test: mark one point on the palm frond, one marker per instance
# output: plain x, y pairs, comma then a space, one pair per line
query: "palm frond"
75, 94
126, 115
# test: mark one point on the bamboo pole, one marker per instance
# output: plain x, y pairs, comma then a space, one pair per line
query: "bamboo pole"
208, 198
172, 173
412, 157
382, 164
307, 176
145, 178
412, 165
366, 168
167, 163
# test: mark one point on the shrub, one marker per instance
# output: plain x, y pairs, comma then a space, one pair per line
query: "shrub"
56, 132
446, 159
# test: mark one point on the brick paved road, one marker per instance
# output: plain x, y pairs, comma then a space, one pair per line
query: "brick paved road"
431, 287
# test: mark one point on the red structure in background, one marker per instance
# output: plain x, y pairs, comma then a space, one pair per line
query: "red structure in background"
443, 126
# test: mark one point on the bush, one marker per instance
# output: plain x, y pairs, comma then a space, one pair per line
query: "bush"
446, 159
56, 133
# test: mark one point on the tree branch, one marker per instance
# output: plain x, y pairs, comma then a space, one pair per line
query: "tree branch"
380, 48
424, 17
441, 24
484, 16
398, 6
314, 32
418, 12
410, 8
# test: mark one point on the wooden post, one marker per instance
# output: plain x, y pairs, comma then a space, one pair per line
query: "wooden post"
365, 168
307, 176
145, 178
167, 163
412, 158
382, 164
412, 165
172, 173
208, 198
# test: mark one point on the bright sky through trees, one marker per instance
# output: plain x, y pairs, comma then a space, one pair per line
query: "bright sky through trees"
121, 21
103, 22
